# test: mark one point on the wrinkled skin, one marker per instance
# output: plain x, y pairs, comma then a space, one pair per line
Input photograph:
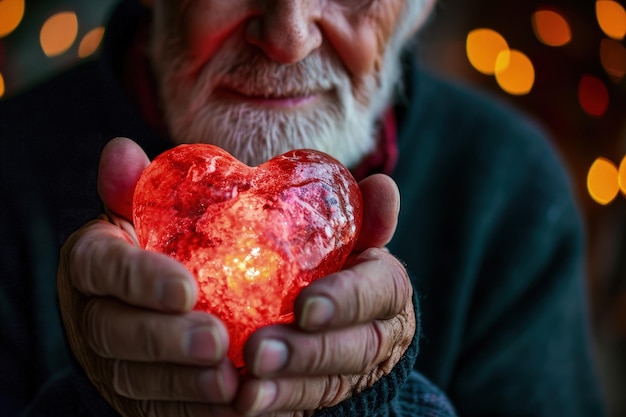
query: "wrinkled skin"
128, 313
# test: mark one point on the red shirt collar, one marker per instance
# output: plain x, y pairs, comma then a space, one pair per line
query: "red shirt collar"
384, 157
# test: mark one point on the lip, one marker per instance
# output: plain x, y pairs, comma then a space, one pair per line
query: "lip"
287, 101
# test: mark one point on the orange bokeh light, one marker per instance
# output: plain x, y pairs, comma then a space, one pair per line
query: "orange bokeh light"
90, 42
1, 85
483, 46
593, 95
58, 33
613, 58
11, 14
515, 72
611, 18
551, 28
602, 181
621, 176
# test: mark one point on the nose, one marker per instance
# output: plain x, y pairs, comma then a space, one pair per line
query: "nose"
286, 30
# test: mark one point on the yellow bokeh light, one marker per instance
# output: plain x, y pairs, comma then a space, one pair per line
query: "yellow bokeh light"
483, 46
91, 42
551, 28
11, 14
58, 33
621, 176
611, 18
1, 86
515, 72
602, 181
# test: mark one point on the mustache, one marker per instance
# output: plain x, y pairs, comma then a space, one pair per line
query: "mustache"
252, 73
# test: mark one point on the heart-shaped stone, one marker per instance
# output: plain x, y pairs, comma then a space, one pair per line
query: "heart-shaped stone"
252, 236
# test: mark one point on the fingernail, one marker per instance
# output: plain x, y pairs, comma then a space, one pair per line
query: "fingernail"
265, 396
317, 312
271, 357
204, 344
176, 295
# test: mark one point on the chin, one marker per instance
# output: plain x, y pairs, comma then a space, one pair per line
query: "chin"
255, 135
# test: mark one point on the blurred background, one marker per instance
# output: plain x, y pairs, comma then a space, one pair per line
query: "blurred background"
562, 62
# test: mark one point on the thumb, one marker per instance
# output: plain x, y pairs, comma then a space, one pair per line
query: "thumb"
121, 163
381, 206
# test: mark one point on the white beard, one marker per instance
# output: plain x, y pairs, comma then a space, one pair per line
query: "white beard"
344, 127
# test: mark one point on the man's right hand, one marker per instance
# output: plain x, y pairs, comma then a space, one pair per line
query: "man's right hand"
128, 312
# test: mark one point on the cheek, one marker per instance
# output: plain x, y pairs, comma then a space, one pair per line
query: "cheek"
205, 25
361, 38
387, 19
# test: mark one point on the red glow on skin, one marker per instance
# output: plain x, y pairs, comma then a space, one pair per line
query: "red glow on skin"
253, 237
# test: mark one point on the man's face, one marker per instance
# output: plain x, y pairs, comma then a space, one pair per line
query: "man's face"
261, 77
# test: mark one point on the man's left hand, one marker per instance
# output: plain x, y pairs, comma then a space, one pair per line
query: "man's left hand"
352, 327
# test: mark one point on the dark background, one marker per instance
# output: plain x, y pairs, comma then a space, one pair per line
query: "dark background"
553, 101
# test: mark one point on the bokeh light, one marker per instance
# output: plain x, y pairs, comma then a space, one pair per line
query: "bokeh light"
593, 95
90, 42
1, 86
483, 46
11, 14
58, 33
551, 28
621, 176
602, 181
515, 72
611, 18
613, 58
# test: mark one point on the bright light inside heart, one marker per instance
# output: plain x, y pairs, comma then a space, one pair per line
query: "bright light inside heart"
253, 237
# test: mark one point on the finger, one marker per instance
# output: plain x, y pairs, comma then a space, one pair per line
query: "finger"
287, 351
376, 286
117, 330
102, 262
381, 205
121, 163
146, 381
280, 396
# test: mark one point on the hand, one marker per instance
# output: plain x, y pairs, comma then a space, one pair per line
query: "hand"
127, 312
352, 327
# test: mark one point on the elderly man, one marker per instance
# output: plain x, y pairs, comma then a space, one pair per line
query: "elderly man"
488, 231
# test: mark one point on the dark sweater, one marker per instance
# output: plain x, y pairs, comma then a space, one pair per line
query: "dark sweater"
488, 229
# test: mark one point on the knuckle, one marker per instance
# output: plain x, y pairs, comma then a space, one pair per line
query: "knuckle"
95, 328
150, 409
401, 290
320, 353
396, 336
84, 249
335, 389
78, 252
149, 340
122, 383
375, 350
121, 272
350, 299
101, 265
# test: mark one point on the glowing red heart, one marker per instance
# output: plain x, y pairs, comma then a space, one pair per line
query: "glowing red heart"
252, 236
